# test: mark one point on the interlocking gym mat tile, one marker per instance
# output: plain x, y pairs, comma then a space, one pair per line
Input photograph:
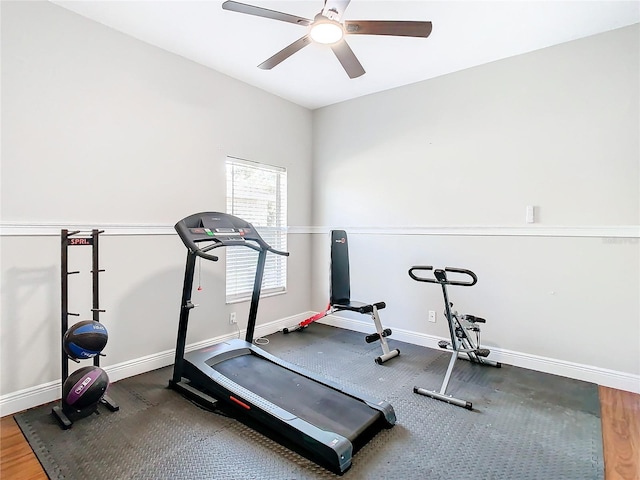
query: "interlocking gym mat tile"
525, 425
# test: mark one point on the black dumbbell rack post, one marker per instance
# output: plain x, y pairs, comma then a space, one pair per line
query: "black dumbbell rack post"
69, 239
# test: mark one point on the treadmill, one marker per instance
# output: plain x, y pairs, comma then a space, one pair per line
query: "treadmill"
319, 419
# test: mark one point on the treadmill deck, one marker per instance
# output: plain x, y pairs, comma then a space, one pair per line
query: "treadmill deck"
324, 407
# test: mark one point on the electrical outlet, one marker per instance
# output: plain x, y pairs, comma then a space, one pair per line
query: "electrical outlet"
432, 316
232, 318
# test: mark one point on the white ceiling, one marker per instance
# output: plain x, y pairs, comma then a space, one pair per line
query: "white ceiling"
465, 34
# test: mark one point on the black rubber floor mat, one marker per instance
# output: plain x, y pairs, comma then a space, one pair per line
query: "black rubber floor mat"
525, 425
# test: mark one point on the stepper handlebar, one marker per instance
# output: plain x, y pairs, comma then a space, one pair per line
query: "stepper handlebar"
440, 275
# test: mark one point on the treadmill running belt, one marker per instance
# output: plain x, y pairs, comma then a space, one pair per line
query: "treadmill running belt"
324, 407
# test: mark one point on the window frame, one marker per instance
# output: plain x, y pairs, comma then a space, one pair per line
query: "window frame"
241, 199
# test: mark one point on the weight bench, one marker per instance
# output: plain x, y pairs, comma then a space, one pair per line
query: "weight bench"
340, 298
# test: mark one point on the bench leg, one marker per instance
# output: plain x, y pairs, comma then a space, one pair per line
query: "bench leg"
382, 334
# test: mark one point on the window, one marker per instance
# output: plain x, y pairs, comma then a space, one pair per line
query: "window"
257, 193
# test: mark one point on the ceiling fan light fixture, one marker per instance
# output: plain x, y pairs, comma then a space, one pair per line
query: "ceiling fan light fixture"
326, 32
328, 28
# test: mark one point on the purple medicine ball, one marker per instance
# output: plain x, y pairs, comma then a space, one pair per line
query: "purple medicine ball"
84, 387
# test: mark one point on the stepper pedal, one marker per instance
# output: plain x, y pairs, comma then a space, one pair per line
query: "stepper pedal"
443, 344
482, 352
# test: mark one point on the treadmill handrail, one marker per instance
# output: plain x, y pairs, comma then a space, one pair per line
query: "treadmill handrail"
278, 252
200, 252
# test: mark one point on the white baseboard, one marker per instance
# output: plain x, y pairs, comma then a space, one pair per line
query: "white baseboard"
49, 392
600, 376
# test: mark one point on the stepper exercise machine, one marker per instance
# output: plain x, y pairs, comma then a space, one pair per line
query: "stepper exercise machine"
321, 420
340, 298
462, 329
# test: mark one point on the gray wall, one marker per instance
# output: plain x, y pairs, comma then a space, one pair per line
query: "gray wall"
441, 172
103, 130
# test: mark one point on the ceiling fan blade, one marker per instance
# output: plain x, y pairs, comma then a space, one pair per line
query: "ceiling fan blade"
264, 12
285, 53
388, 27
334, 9
348, 59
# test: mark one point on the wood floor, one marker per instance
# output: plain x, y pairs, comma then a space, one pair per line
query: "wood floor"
620, 413
17, 460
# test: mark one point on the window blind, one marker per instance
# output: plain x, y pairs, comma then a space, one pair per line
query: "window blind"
256, 193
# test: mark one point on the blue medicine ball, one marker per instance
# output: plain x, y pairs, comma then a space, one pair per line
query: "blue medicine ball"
84, 388
85, 339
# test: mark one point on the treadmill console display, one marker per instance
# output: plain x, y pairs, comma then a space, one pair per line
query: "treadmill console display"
201, 234
220, 230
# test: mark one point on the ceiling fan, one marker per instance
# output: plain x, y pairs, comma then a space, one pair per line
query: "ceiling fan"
327, 28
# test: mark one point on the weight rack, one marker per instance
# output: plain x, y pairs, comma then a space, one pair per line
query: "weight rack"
69, 239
